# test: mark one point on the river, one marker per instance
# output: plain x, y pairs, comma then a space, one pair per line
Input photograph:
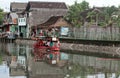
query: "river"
72, 65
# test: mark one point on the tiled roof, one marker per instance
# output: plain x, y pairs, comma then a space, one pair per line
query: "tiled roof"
57, 5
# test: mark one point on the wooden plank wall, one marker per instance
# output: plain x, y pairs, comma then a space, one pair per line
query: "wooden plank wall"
96, 33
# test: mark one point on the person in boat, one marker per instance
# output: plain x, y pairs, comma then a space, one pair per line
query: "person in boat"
40, 42
50, 42
54, 44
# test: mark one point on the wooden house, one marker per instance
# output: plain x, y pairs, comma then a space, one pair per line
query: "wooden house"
16, 15
11, 19
40, 12
55, 22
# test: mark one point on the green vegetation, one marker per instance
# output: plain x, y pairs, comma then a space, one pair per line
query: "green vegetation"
101, 16
78, 70
1, 56
1, 16
74, 11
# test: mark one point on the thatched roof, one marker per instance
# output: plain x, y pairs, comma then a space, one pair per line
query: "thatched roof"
15, 6
51, 21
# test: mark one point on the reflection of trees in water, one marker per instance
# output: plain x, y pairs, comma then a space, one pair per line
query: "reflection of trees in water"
8, 48
78, 70
83, 71
118, 73
0, 59
83, 66
2, 51
2, 48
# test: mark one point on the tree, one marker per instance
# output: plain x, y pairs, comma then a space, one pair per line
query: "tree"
91, 15
108, 12
74, 11
1, 16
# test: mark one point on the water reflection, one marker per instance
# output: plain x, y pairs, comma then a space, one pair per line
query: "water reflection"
93, 67
21, 64
4, 73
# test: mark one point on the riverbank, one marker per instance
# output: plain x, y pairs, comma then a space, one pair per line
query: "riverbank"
25, 41
79, 46
110, 49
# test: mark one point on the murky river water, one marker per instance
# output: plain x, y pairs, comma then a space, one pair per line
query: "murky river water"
71, 65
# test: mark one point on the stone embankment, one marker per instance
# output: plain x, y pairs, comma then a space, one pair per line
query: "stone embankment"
25, 41
113, 50
80, 48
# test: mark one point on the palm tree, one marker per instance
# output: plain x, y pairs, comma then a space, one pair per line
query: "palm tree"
74, 11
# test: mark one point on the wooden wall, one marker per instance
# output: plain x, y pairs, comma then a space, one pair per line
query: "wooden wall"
96, 33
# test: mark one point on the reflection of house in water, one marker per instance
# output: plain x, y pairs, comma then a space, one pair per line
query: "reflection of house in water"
14, 69
10, 49
21, 56
4, 70
17, 66
36, 69
21, 61
45, 70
